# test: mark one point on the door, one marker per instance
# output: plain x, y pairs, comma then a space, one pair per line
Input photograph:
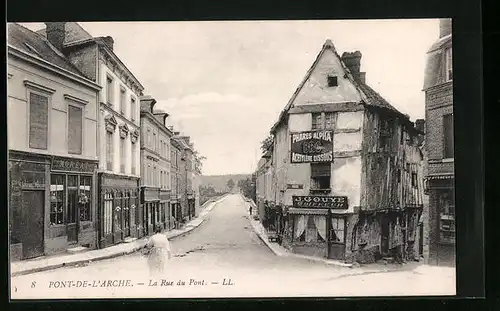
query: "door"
336, 238
126, 214
33, 207
420, 240
384, 236
72, 210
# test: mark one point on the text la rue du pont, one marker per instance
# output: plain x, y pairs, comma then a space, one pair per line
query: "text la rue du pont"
130, 283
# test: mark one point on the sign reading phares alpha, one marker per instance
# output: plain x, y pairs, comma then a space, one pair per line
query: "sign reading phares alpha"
312, 146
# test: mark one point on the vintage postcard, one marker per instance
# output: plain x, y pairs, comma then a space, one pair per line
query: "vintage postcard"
231, 159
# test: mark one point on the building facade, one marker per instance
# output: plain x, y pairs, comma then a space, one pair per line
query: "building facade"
119, 170
155, 166
52, 114
176, 183
438, 88
345, 167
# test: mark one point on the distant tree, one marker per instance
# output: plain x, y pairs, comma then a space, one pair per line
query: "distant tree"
230, 184
198, 161
247, 187
266, 143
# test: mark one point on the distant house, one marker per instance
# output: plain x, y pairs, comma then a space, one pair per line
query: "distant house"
52, 122
438, 88
346, 167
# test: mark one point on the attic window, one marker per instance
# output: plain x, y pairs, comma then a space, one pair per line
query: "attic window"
32, 49
332, 81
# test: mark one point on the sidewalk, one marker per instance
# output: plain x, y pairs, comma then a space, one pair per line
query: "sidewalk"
49, 263
358, 269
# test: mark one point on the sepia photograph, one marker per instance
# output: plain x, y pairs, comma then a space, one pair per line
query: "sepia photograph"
223, 159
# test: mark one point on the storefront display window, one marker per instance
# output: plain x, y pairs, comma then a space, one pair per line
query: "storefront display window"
85, 198
337, 232
447, 217
310, 228
57, 198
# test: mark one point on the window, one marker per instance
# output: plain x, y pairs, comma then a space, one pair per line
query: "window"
109, 90
132, 108
85, 198
122, 100
161, 179
449, 64
57, 198
337, 230
148, 138
133, 158
414, 181
320, 176
155, 177
148, 175
310, 228
448, 136
122, 155
168, 180
154, 142
75, 129
332, 81
109, 151
39, 119
329, 120
316, 121
447, 216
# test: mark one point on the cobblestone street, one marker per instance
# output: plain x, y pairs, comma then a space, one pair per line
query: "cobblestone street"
225, 250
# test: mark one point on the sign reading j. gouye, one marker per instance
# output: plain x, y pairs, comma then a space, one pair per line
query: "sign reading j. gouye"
312, 146
320, 201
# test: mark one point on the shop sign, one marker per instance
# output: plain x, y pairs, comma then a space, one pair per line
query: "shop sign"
73, 165
310, 201
311, 146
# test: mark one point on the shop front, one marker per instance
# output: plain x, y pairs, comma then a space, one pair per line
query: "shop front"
176, 212
119, 211
150, 200
316, 226
165, 209
191, 204
52, 202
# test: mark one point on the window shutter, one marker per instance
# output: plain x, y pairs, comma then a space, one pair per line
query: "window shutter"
75, 130
39, 120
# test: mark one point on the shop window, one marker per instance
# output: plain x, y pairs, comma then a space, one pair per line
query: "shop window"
108, 212
75, 129
337, 230
447, 216
310, 228
320, 176
118, 210
448, 136
38, 121
57, 198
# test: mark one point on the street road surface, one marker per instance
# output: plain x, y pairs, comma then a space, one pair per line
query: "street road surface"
224, 257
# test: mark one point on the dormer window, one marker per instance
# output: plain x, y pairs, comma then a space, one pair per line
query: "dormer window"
332, 81
449, 64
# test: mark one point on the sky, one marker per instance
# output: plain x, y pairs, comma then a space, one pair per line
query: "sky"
224, 83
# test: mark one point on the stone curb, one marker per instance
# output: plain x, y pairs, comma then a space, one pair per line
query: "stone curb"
140, 244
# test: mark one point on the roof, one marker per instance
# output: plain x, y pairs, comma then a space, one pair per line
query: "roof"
369, 95
31, 42
74, 32
434, 73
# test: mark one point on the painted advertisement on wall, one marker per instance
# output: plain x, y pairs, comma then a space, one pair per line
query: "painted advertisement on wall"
311, 147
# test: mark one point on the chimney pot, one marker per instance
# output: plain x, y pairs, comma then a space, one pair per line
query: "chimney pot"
444, 27
56, 32
108, 40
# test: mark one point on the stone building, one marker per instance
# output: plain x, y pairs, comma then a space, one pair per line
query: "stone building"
52, 122
438, 88
155, 166
175, 178
186, 174
118, 132
346, 167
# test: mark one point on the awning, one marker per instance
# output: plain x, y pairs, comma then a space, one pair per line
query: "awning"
308, 211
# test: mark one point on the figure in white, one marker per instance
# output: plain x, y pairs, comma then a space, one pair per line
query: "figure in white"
158, 252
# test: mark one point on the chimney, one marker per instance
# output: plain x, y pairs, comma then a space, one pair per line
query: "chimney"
353, 63
56, 32
420, 125
109, 42
177, 133
444, 27
147, 103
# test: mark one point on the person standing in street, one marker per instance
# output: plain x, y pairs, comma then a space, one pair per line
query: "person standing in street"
158, 252
250, 210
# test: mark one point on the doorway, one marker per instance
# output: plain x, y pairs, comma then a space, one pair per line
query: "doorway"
33, 205
72, 210
126, 214
384, 236
336, 238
